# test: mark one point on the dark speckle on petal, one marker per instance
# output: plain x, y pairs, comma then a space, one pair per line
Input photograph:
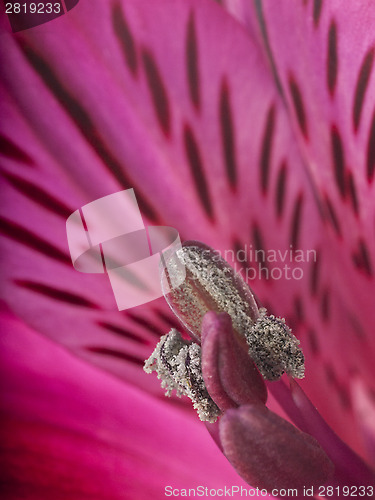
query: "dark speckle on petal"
317, 10
120, 355
361, 258
38, 195
118, 330
196, 167
14, 151
299, 107
125, 38
332, 59
158, 92
57, 294
332, 217
259, 245
31, 240
361, 87
325, 304
338, 158
296, 222
266, 150
228, 134
371, 151
352, 193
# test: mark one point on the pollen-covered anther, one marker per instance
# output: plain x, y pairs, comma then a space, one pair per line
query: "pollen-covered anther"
178, 365
274, 348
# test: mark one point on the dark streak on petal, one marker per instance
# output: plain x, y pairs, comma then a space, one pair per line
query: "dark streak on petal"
344, 397
313, 342
237, 246
361, 258
122, 332
123, 356
298, 106
315, 274
298, 306
357, 328
125, 38
38, 195
325, 305
259, 246
317, 10
85, 125
281, 189
192, 63
338, 159
31, 240
371, 394
263, 28
296, 222
371, 151
266, 151
195, 162
332, 217
158, 92
352, 192
320, 205
339, 388
169, 319
361, 87
55, 294
228, 134
145, 323
330, 374
103, 259
11, 150
146, 208
332, 60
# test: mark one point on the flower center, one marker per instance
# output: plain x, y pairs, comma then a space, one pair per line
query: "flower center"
212, 285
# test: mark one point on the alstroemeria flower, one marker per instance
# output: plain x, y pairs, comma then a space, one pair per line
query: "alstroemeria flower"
254, 131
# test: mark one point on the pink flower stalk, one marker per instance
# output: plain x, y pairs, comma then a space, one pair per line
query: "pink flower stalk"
250, 132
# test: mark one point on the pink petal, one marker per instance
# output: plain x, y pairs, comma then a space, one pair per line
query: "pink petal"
95, 97
349, 468
71, 431
324, 66
229, 173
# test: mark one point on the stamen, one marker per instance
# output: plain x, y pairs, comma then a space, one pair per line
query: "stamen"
274, 349
177, 363
211, 284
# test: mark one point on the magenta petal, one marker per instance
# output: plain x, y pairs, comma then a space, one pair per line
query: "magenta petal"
216, 178
349, 467
71, 431
230, 375
325, 67
269, 452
